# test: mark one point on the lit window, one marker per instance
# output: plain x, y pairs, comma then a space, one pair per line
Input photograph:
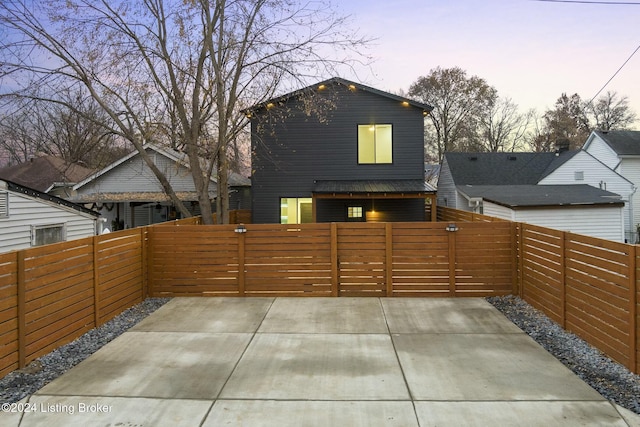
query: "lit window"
354, 212
375, 144
294, 210
47, 234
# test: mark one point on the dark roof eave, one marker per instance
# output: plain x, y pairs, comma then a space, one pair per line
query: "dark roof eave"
341, 81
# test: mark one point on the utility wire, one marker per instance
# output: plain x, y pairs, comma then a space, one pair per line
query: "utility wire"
615, 74
628, 3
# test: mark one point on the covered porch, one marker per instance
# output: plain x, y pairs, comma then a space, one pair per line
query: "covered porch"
373, 201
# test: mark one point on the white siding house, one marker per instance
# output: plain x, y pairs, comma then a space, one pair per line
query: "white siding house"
128, 194
32, 218
584, 168
620, 151
567, 190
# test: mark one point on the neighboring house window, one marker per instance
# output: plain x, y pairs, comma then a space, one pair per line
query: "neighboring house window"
375, 144
4, 205
578, 175
355, 213
47, 234
296, 210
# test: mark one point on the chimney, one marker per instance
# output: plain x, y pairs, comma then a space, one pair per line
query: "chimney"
562, 145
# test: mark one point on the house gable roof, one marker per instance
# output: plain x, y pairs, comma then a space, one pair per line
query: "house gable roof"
529, 196
43, 172
30, 192
504, 168
623, 142
235, 179
353, 86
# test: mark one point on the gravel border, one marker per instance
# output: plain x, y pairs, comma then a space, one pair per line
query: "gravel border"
612, 380
19, 384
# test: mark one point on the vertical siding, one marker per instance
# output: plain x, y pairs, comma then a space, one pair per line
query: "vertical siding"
601, 222
290, 154
15, 231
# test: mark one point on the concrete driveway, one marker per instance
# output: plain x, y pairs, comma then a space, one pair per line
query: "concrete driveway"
321, 362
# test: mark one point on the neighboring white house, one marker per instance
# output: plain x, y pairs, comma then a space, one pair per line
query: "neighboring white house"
578, 208
620, 151
128, 194
31, 218
565, 190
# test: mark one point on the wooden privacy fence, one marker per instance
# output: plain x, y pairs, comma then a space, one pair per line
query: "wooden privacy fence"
337, 259
50, 295
588, 285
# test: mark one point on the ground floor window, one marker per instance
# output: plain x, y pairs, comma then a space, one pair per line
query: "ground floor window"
355, 213
47, 234
296, 210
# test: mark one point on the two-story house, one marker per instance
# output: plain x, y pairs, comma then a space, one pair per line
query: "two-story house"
620, 151
338, 151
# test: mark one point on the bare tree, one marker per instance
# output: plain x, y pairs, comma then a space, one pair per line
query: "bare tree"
458, 101
611, 112
504, 128
174, 72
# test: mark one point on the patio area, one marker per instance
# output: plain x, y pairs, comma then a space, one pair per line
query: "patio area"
320, 362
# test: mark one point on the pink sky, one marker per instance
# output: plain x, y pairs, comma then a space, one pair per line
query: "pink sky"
528, 50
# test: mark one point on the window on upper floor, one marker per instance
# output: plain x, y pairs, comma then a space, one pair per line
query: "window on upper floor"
375, 144
296, 210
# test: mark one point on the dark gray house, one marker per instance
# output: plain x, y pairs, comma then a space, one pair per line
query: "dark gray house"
338, 151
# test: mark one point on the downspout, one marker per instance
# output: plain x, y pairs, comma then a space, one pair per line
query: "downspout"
633, 229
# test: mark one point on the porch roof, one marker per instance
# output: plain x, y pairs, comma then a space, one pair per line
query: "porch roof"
374, 187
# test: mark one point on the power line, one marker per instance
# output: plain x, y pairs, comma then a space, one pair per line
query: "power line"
615, 74
627, 3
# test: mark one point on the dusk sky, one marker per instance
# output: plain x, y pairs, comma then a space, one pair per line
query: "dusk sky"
530, 51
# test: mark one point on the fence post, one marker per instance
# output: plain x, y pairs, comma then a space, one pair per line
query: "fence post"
96, 284
633, 306
452, 263
241, 263
388, 231
514, 258
22, 320
563, 281
334, 259
143, 258
148, 282
521, 225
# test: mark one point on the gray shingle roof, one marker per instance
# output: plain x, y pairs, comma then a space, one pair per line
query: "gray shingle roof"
393, 186
623, 142
515, 196
504, 168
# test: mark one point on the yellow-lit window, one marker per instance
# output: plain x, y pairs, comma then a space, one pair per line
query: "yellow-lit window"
354, 212
296, 210
375, 144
